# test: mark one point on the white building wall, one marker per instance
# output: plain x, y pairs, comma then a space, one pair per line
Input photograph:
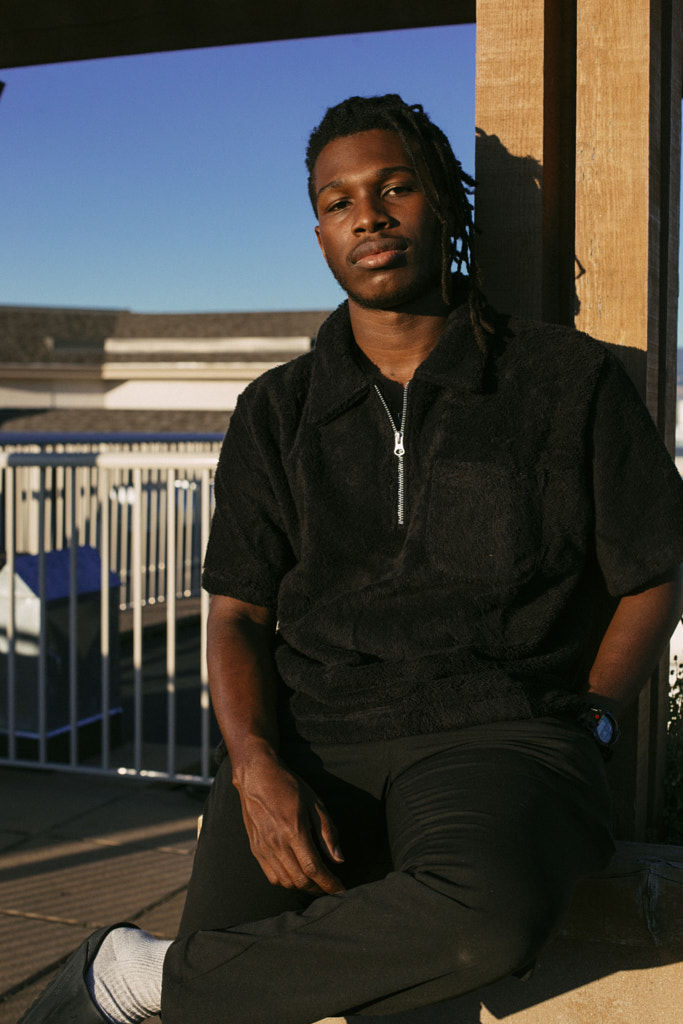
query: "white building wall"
46, 394
219, 395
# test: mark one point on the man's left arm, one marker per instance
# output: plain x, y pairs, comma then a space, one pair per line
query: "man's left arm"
633, 643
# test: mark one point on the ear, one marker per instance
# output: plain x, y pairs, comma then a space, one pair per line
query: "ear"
320, 242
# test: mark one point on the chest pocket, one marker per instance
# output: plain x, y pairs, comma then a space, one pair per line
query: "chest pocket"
484, 522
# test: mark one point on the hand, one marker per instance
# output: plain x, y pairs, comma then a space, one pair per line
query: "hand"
290, 832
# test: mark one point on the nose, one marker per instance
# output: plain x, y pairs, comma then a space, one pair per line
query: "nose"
371, 214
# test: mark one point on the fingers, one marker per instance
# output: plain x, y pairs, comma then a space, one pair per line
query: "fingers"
313, 875
327, 834
294, 862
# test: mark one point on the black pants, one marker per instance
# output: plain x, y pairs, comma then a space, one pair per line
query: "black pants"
462, 850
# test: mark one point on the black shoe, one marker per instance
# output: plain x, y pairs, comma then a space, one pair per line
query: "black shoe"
66, 999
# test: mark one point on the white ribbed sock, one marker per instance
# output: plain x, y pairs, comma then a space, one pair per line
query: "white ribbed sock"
124, 980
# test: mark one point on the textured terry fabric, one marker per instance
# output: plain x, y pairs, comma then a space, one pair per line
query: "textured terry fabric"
535, 482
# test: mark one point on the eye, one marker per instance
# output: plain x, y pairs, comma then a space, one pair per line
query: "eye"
399, 188
338, 204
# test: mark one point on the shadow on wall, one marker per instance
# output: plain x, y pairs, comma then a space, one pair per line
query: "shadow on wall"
554, 265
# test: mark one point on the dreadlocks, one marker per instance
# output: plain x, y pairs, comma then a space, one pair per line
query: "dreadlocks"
446, 185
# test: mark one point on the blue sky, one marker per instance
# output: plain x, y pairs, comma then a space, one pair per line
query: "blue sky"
175, 182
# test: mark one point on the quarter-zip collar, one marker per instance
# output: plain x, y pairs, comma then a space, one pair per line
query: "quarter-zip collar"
338, 381
456, 361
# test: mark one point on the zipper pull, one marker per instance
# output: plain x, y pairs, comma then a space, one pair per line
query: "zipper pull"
399, 450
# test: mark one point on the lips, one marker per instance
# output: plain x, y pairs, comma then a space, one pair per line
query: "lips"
377, 252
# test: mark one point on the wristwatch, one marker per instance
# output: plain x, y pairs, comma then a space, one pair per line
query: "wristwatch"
602, 725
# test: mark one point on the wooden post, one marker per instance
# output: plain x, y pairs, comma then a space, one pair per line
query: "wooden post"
525, 156
627, 179
578, 171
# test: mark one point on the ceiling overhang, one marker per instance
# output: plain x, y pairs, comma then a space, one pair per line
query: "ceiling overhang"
50, 31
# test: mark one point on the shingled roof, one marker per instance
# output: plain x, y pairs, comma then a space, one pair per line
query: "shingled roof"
111, 421
36, 334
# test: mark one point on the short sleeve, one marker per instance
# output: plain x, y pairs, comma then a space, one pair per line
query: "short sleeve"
248, 551
638, 491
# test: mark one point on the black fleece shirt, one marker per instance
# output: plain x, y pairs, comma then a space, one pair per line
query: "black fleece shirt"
458, 583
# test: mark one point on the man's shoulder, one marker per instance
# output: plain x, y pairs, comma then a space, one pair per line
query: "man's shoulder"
282, 386
284, 389
269, 410
556, 338
548, 349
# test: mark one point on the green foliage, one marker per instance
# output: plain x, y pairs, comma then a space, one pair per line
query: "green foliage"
673, 779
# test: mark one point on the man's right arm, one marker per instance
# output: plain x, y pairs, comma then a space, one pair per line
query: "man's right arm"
289, 830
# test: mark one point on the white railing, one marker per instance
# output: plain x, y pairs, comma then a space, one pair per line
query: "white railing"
147, 516
47, 511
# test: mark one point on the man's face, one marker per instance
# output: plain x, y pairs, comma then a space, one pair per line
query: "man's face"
378, 234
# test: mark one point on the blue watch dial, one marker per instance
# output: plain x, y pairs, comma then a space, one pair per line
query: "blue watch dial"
604, 730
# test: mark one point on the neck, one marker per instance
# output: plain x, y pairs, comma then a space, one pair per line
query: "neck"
397, 341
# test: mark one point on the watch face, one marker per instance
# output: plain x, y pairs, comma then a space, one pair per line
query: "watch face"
604, 730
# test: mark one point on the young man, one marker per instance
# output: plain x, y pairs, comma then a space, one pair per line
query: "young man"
415, 526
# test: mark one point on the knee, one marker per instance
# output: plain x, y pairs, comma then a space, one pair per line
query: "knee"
495, 932
495, 946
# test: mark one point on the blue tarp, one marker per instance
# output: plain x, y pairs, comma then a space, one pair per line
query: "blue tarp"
58, 572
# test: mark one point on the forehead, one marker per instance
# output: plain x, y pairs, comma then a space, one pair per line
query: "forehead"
359, 154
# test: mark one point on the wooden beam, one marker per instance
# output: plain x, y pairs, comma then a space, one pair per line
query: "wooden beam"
628, 158
525, 156
45, 31
613, 140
